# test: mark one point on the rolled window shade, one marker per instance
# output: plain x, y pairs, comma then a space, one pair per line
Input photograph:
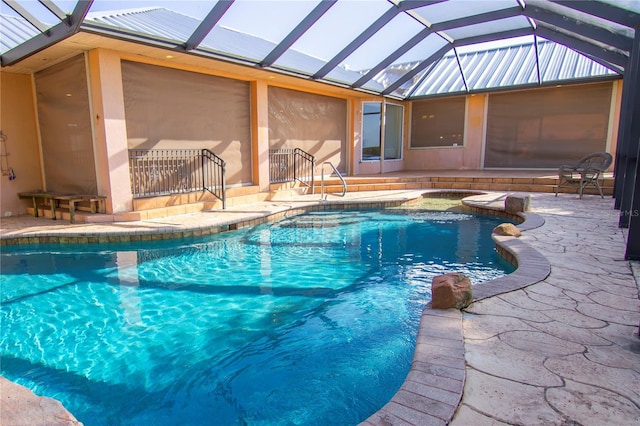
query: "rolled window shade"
437, 122
545, 128
65, 127
314, 123
167, 108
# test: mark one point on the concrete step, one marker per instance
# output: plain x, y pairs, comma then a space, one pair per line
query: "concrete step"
515, 184
178, 204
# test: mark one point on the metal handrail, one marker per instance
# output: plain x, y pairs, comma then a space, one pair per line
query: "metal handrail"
213, 179
280, 161
304, 165
323, 196
292, 165
160, 172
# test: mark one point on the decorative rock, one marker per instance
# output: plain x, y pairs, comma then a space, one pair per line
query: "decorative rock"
514, 204
451, 291
507, 229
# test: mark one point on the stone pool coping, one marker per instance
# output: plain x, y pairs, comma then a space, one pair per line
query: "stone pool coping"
434, 385
433, 389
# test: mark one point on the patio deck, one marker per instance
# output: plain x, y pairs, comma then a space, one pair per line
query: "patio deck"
459, 180
562, 350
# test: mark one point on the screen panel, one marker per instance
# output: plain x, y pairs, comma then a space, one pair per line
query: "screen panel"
65, 127
437, 122
546, 128
314, 123
167, 108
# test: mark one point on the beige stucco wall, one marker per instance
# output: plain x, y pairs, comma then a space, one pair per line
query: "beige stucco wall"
260, 134
109, 130
18, 123
614, 119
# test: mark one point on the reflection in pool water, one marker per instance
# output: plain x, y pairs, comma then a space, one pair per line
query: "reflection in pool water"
310, 320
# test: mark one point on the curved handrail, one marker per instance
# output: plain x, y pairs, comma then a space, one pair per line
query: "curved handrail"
213, 175
303, 166
323, 196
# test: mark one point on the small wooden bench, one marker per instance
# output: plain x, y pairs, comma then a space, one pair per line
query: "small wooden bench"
53, 199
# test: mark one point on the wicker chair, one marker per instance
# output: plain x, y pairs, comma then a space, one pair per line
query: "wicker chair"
586, 171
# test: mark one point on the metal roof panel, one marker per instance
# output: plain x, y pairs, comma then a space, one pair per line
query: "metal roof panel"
155, 22
410, 58
509, 67
15, 31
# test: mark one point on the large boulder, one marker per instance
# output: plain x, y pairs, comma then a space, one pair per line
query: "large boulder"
515, 204
507, 229
451, 291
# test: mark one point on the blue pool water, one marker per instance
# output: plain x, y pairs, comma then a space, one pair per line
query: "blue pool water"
308, 321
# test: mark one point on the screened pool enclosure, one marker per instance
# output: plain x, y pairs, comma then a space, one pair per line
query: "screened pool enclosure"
398, 52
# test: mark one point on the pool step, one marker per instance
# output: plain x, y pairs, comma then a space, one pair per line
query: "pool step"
325, 220
158, 207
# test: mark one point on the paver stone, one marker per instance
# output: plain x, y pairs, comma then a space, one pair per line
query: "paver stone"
497, 358
615, 301
590, 405
575, 319
466, 416
498, 307
611, 315
572, 334
508, 401
622, 381
487, 326
536, 342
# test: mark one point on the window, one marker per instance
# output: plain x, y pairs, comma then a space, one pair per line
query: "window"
437, 123
373, 128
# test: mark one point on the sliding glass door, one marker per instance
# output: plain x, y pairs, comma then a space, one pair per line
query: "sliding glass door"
380, 135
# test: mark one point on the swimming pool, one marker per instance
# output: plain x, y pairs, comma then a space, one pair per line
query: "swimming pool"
310, 320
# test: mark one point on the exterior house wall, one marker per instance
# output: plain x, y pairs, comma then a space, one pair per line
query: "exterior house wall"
359, 168
260, 134
475, 128
470, 156
18, 123
614, 119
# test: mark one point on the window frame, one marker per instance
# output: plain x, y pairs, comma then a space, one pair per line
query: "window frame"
382, 132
